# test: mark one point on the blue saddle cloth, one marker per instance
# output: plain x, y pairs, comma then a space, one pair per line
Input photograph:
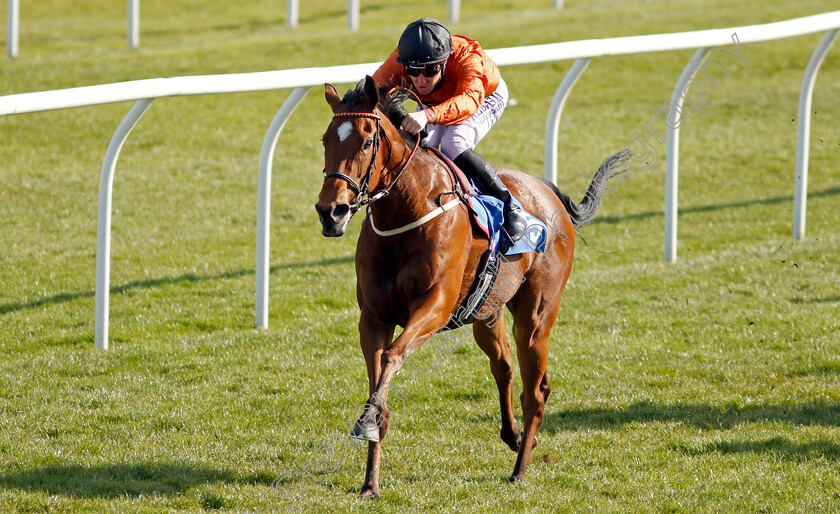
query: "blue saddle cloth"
488, 215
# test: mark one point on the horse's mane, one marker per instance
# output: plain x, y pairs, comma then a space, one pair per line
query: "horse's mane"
392, 104
390, 101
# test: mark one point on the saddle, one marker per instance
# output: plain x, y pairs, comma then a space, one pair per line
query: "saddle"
486, 214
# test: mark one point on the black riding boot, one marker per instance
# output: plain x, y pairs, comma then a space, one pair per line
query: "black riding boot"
477, 169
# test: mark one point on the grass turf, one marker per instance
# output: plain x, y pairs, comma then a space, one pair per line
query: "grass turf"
707, 385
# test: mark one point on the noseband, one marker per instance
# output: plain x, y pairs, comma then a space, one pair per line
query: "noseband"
361, 190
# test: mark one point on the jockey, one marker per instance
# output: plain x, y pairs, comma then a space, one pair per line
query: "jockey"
462, 94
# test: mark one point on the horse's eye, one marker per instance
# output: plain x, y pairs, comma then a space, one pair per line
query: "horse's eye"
368, 144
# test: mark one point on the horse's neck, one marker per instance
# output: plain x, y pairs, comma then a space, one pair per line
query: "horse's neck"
415, 193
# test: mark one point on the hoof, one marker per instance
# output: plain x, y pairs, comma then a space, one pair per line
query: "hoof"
369, 493
366, 431
512, 439
515, 441
515, 478
519, 443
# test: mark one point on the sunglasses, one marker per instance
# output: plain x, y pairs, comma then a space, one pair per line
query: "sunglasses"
429, 70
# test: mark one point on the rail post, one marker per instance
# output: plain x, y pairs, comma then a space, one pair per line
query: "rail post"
803, 133
103, 224
264, 203
12, 26
552, 126
133, 23
672, 154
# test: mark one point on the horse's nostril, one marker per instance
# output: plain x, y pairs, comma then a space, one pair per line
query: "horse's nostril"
340, 210
323, 211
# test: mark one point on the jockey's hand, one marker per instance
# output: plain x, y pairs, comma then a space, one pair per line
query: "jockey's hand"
414, 122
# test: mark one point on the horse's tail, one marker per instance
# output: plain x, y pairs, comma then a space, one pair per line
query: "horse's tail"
584, 212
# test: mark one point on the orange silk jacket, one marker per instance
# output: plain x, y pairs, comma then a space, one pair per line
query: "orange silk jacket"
468, 78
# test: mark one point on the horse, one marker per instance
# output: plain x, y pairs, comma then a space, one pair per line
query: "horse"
414, 275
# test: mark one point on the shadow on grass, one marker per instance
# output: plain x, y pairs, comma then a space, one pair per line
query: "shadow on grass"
157, 282
822, 370
700, 416
121, 480
778, 445
716, 207
827, 299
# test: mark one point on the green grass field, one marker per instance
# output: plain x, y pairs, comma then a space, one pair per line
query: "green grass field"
709, 385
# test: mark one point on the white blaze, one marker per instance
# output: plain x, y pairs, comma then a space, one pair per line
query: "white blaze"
344, 130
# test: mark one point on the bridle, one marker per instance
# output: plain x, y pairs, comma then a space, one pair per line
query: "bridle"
363, 196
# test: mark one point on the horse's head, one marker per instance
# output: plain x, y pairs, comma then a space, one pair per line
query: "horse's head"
352, 160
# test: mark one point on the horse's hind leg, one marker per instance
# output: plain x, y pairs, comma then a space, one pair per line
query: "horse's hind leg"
494, 342
532, 328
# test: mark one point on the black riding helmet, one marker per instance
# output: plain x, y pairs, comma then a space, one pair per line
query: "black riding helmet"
425, 41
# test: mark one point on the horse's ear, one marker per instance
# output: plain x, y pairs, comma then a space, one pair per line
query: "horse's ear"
332, 96
371, 92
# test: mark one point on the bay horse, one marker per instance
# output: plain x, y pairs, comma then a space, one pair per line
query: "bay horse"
418, 276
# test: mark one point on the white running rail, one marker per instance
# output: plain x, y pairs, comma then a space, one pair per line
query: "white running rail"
301, 80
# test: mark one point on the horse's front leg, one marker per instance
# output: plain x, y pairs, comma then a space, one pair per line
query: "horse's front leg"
426, 318
374, 336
